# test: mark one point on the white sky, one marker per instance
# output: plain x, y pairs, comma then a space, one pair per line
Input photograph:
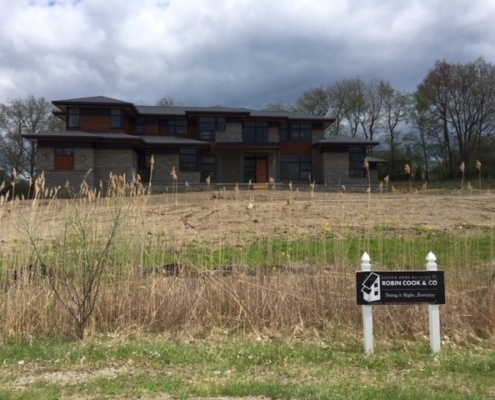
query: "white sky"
238, 53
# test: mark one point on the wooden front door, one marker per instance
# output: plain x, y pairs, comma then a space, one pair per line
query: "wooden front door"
261, 170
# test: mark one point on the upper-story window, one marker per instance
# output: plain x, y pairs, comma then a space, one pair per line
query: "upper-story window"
209, 125
140, 126
117, 120
296, 131
177, 126
255, 132
74, 117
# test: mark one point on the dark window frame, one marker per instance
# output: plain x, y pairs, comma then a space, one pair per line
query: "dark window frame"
116, 118
295, 167
208, 126
296, 132
357, 154
188, 160
255, 132
177, 126
74, 120
140, 126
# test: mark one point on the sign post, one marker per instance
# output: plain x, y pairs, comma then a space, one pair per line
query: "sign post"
433, 309
401, 287
367, 311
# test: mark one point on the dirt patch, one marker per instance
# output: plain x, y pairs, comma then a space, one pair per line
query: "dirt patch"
225, 217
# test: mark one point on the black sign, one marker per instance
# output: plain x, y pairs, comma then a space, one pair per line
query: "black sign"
400, 287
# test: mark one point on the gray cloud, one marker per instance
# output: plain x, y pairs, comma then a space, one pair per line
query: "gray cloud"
235, 53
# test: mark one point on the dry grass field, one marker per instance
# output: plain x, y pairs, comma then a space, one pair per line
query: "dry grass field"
263, 263
261, 260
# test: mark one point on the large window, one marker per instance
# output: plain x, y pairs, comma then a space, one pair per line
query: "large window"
209, 125
356, 162
295, 167
117, 120
188, 160
64, 158
208, 167
255, 132
140, 126
74, 117
296, 132
177, 126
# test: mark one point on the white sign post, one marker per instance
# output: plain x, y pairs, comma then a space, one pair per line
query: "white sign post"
433, 309
401, 287
367, 311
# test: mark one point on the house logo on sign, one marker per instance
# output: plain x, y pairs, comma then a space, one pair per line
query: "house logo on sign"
371, 288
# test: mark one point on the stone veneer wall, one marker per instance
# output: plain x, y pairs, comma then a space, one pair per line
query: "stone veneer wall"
317, 166
162, 181
117, 162
233, 133
335, 167
229, 165
336, 170
318, 134
273, 135
83, 168
164, 163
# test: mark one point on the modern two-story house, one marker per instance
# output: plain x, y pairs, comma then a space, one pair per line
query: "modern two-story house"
228, 145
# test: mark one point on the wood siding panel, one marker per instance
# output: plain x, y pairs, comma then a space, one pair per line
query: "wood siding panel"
296, 148
65, 163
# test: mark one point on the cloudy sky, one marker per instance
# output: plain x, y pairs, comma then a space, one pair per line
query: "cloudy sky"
239, 53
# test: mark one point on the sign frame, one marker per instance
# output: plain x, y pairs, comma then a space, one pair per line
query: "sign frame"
407, 287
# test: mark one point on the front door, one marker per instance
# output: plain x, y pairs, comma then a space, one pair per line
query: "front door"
255, 167
262, 170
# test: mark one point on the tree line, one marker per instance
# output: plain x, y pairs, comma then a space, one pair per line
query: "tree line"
448, 121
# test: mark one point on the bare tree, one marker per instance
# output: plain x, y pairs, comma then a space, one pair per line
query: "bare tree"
373, 111
348, 105
314, 101
20, 117
395, 108
168, 102
462, 99
280, 106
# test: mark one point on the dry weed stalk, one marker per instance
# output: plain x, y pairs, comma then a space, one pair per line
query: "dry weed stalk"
366, 166
174, 176
462, 169
152, 167
408, 171
237, 192
290, 200
469, 187
386, 180
478, 167
271, 183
